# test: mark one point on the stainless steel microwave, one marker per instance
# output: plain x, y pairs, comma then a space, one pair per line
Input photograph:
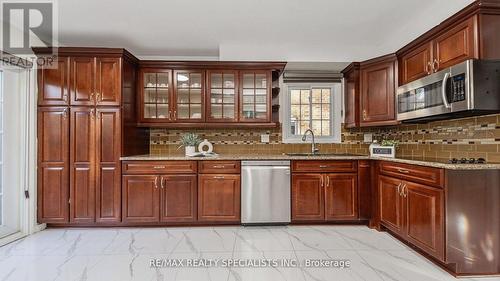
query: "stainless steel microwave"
466, 89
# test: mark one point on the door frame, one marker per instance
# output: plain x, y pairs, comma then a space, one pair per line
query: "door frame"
27, 206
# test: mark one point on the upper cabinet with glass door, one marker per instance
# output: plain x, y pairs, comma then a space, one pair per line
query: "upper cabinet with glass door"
189, 91
256, 96
184, 94
222, 96
156, 95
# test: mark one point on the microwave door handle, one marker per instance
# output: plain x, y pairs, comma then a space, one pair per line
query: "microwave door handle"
443, 90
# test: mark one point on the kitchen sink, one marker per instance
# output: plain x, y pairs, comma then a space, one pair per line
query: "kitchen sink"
321, 154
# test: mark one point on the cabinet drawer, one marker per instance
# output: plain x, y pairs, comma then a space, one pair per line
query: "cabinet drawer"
324, 166
419, 174
158, 167
219, 167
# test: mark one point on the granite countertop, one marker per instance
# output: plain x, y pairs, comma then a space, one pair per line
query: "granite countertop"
414, 161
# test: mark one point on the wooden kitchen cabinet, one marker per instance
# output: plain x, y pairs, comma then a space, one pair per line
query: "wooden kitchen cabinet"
416, 64
95, 187
391, 204
53, 164
178, 198
108, 81
455, 45
207, 94
140, 200
82, 81
341, 200
82, 163
351, 95
308, 197
424, 207
255, 89
415, 212
222, 96
156, 102
84, 185
108, 169
53, 84
219, 198
95, 81
189, 92
377, 98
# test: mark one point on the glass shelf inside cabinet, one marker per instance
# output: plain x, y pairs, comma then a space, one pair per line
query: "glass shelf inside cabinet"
255, 96
189, 95
156, 91
222, 95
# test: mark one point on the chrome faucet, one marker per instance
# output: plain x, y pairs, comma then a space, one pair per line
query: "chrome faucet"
314, 150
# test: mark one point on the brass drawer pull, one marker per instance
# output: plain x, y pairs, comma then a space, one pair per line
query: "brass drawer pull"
324, 166
219, 167
403, 171
159, 167
219, 177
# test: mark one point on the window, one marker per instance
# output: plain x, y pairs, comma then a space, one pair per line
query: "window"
312, 106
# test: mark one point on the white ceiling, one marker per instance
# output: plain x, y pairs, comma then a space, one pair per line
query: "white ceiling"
290, 30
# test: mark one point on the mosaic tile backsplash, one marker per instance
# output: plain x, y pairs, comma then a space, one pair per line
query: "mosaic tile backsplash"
468, 137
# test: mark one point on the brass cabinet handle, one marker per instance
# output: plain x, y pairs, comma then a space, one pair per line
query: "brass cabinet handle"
219, 177
65, 97
364, 114
156, 182
92, 97
98, 97
219, 167
92, 113
428, 68
405, 190
159, 167
323, 166
65, 113
399, 188
161, 182
403, 171
321, 181
327, 181
435, 65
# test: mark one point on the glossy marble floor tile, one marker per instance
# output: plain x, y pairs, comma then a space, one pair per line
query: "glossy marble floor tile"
228, 252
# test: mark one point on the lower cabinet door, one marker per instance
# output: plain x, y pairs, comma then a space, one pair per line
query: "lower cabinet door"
53, 165
108, 174
141, 203
219, 198
391, 204
341, 199
425, 218
307, 197
178, 198
82, 161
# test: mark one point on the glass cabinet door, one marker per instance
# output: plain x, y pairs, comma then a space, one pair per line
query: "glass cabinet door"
156, 95
222, 96
189, 95
256, 96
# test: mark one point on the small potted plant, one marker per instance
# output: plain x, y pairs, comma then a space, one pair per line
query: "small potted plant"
190, 141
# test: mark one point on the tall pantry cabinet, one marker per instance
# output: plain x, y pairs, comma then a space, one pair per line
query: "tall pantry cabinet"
80, 130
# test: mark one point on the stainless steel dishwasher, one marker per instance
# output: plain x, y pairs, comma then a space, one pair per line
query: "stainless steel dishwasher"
265, 192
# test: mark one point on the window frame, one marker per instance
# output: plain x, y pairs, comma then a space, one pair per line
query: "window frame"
335, 112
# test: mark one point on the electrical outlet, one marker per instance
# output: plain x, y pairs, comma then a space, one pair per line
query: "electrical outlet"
368, 138
264, 138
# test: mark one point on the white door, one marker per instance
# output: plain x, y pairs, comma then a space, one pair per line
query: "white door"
12, 149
